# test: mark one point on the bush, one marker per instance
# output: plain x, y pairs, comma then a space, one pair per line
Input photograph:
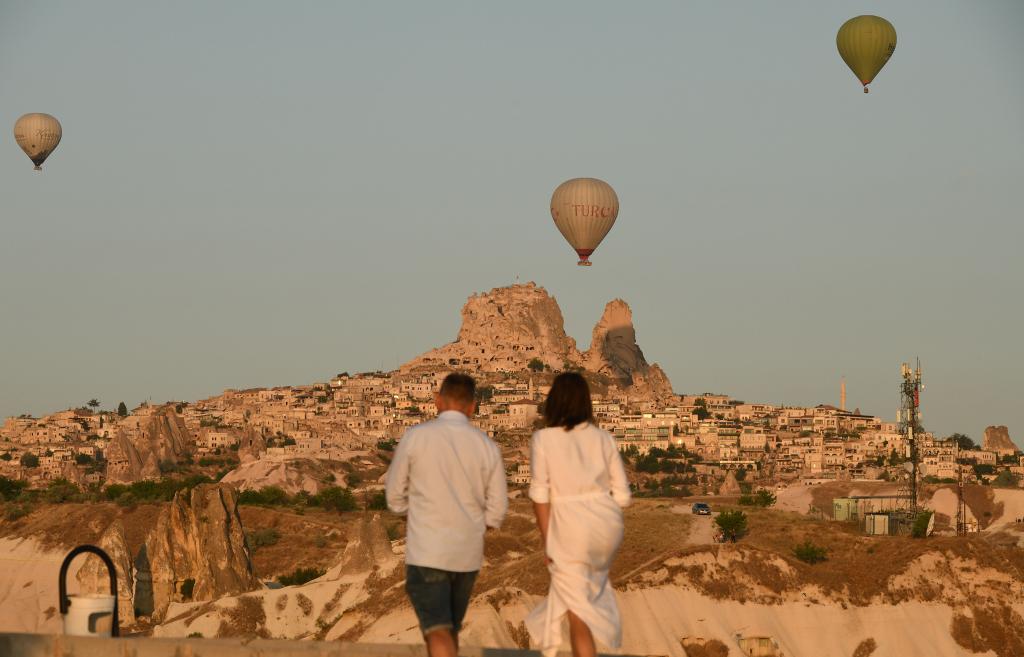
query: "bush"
763, 498
377, 502
1006, 479
387, 445
266, 496
300, 576
920, 528
810, 553
732, 523
60, 491
535, 365
29, 460
16, 511
152, 492
264, 537
83, 459
335, 498
6, 456
10, 489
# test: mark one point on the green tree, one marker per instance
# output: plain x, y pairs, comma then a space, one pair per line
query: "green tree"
920, 527
335, 498
700, 409
810, 553
536, 365
963, 440
1006, 479
11, 488
377, 502
732, 523
122, 410
93, 404
83, 459
29, 460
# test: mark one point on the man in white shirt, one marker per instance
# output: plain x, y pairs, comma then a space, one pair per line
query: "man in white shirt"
449, 477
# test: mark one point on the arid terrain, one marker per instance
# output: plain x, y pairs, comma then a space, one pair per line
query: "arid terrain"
680, 593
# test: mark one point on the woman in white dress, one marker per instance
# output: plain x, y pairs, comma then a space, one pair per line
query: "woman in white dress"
578, 489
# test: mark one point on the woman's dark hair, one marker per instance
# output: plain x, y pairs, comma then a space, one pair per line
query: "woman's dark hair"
568, 403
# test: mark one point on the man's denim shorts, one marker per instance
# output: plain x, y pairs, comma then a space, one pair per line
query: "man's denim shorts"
440, 597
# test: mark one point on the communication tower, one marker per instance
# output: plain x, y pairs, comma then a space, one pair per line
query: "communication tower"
909, 418
961, 505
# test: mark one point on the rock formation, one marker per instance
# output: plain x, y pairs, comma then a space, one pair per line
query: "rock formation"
370, 549
199, 544
507, 328
503, 330
614, 352
997, 439
730, 486
93, 577
140, 443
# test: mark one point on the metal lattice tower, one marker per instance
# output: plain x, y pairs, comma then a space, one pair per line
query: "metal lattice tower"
910, 420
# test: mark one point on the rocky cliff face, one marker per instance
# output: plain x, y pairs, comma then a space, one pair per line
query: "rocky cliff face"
506, 328
199, 538
503, 330
997, 439
614, 352
93, 577
140, 443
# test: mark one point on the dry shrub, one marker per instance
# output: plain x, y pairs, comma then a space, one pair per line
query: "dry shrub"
695, 647
996, 628
520, 635
500, 598
282, 602
246, 619
866, 648
305, 604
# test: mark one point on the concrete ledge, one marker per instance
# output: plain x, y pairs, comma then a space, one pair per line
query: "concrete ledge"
50, 645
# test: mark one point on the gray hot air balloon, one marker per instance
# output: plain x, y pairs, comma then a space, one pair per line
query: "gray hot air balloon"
584, 210
38, 135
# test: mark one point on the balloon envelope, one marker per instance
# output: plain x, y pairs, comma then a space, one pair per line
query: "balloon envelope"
584, 210
38, 135
866, 43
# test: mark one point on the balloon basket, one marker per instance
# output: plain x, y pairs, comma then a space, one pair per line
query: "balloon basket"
37, 168
584, 263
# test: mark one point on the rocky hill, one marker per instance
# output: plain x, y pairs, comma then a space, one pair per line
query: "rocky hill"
505, 329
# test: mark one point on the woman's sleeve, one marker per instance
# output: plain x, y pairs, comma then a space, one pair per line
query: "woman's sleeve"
540, 483
617, 475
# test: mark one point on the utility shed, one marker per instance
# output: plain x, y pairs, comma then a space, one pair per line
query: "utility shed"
856, 507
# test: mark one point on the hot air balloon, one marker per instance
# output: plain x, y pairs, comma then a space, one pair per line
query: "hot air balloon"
866, 43
584, 210
38, 135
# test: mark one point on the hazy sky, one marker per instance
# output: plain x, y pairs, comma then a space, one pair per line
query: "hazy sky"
270, 193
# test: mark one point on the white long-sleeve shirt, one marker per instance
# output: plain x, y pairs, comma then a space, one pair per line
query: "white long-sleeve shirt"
577, 462
449, 477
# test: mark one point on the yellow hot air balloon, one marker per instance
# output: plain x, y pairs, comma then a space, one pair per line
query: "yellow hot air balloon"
38, 135
584, 210
866, 43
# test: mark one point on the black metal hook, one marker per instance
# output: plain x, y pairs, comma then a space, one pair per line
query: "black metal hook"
65, 602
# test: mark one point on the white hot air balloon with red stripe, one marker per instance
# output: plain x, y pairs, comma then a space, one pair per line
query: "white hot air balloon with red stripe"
584, 210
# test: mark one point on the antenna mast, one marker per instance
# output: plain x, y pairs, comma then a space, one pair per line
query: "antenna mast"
910, 420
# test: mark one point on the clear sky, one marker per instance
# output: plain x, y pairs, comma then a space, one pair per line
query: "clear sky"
255, 194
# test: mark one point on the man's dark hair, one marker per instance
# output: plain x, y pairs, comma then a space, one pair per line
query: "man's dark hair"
568, 403
459, 388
